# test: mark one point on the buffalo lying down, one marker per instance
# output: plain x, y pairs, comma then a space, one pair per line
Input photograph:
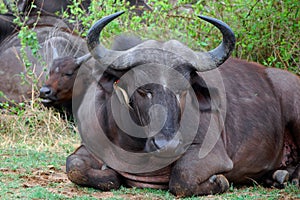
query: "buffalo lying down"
52, 33
58, 90
220, 119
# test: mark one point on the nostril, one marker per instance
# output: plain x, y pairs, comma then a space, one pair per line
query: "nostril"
45, 91
150, 146
159, 144
154, 144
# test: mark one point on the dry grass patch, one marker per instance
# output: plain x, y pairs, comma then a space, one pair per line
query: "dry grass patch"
31, 125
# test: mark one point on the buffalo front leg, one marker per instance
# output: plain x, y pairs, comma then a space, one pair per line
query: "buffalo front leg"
83, 169
193, 175
295, 178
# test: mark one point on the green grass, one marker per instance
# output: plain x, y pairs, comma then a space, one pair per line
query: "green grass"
30, 172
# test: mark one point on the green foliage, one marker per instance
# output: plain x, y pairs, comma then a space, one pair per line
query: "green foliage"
2, 7
29, 43
267, 31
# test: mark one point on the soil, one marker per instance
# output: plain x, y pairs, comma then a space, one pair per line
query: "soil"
56, 181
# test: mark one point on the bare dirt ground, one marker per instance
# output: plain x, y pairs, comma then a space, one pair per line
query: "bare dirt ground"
63, 186
56, 181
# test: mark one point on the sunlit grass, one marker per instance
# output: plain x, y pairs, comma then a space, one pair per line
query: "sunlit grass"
35, 142
38, 128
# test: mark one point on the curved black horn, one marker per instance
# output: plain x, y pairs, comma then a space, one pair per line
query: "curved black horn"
223, 51
94, 32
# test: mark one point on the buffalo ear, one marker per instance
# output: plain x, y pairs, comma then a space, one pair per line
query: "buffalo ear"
106, 82
208, 97
109, 77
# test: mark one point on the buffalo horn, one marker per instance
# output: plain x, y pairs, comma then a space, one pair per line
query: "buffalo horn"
93, 42
212, 59
221, 53
82, 59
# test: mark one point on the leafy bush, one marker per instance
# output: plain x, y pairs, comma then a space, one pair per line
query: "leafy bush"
2, 8
267, 31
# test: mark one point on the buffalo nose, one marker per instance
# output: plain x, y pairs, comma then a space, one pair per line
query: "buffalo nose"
151, 146
155, 144
165, 147
45, 92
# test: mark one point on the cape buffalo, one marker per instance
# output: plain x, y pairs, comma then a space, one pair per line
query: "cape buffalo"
58, 89
165, 116
52, 33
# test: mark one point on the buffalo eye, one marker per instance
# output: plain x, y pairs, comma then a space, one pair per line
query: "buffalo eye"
144, 93
68, 74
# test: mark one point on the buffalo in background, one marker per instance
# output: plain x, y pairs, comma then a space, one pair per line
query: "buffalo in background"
48, 22
54, 37
246, 128
24, 9
58, 90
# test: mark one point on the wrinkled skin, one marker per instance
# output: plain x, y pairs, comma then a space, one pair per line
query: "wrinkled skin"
260, 139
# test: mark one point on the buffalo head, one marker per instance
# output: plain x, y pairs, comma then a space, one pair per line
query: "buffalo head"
58, 89
150, 83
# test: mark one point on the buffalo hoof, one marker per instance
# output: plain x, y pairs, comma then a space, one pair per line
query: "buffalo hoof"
295, 177
281, 176
216, 184
295, 182
221, 181
76, 172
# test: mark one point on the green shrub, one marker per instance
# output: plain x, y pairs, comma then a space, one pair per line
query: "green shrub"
2, 7
267, 31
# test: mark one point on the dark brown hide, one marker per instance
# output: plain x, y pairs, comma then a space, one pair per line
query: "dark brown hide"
95, 173
262, 108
